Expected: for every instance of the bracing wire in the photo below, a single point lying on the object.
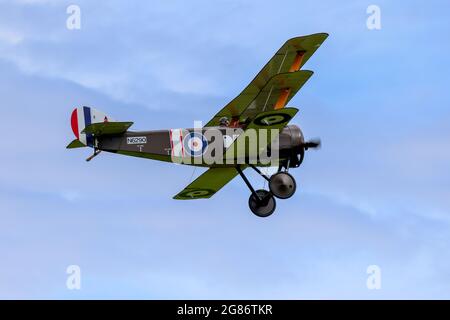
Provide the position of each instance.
(192, 175)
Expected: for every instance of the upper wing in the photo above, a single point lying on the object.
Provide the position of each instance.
(276, 83)
(207, 184)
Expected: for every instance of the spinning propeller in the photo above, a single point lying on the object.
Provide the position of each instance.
(313, 144)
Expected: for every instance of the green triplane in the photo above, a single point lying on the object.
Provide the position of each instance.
(249, 132)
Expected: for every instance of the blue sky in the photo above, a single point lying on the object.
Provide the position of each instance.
(377, 192)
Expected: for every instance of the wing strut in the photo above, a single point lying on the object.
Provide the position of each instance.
(296, 65)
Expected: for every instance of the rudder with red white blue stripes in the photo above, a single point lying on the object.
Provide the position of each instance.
(81, 118)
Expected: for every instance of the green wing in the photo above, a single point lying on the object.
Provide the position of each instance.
(274, 83)
(207, 184)
(273, 121)
(105, 128)
(279, 89)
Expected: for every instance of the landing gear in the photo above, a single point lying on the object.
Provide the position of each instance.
(262, 203)
(282, 185)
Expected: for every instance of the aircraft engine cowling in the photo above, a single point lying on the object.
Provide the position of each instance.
(291, 145)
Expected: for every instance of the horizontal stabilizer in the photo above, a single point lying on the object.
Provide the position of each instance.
(76, 144)
(107, 128)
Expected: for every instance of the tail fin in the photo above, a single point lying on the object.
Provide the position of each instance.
(81, 118)
(88, 122)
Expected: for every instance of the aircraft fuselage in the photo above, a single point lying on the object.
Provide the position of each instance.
(208, 146)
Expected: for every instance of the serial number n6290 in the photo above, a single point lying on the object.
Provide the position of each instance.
(136, 140)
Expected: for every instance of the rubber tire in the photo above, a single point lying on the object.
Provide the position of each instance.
(284, 181)
(264, 209)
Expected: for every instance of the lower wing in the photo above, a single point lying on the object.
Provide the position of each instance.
(207, 184)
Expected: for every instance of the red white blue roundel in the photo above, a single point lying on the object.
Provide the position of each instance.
(195, 144)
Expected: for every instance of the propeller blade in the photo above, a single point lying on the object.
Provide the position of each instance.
(313, 144)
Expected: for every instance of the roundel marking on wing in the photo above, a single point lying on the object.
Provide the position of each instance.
(271, 119)
(189, 194)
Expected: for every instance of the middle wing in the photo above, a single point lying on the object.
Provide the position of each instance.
(207, 184)
(274, 120)
(276, 83)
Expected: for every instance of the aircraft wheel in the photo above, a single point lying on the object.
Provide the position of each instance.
(264, 206)
(282, 185)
